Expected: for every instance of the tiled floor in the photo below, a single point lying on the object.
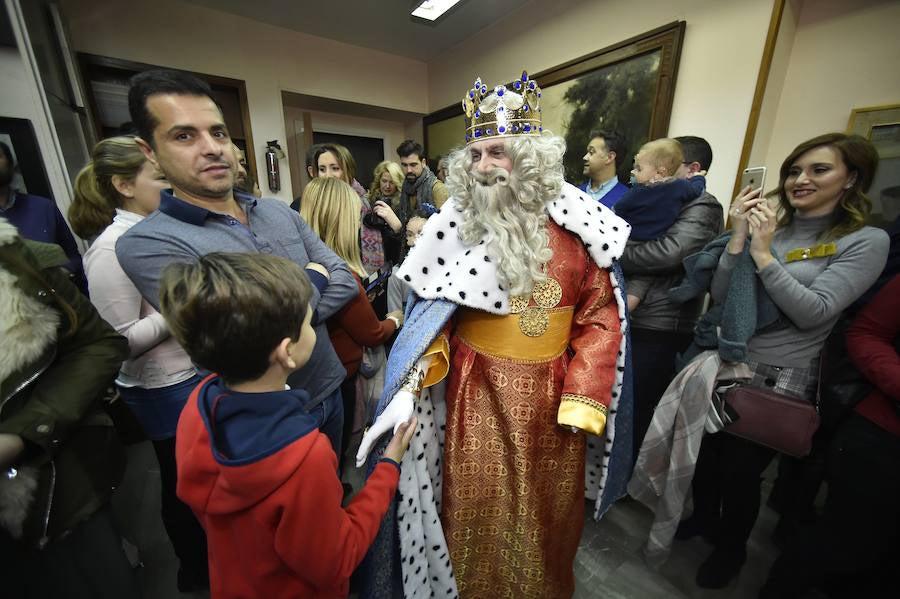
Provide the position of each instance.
(608, 564)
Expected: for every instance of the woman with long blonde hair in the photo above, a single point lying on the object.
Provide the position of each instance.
(332, 209)
(114, 192)
(388, 213)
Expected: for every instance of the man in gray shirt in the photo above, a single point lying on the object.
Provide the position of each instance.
(182, 132)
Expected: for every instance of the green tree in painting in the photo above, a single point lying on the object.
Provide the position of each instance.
(618, 97)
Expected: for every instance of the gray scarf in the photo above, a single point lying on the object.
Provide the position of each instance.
(421, 188)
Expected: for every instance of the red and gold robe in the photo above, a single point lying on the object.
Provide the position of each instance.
(513, 490)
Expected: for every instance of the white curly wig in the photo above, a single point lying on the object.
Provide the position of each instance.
(510, 216)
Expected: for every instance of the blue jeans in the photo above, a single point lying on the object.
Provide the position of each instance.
(158, 410)
(330, 414)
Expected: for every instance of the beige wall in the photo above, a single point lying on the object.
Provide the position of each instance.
(844, 55)
(269, 59)
(719, 61)
(781, 59)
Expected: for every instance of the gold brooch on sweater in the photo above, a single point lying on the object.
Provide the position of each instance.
(819, 251)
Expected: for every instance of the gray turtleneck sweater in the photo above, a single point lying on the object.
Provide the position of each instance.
(810, 293)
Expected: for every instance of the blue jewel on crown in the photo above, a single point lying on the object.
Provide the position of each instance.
(477, 132)
(488, 131)
(531, 85)
(517, 84)
(526, 127)
(500, 129)
(524, 76)
(500, 90)
(483, 89)
(525, 108)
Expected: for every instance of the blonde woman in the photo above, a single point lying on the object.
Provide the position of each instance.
(390, 216)
(115, 191)
(332, 209)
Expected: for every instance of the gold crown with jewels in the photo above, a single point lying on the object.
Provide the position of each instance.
(504, 110)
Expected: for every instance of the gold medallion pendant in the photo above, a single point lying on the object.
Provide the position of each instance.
(518, 304)
(547, 294)
(534, 321)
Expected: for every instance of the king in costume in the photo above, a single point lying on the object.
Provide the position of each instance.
(516, 342)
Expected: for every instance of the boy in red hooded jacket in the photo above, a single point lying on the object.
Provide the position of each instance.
(252, 463)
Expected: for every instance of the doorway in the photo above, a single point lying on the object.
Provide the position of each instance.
(366, 151)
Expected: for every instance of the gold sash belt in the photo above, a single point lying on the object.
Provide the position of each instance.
(500, 336)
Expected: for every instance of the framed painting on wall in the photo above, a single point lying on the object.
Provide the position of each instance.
(627, 87)
(881, 126)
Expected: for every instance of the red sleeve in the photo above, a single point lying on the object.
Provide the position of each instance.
(358, 319)
(595, 340)
(316, 537)
(870, 340)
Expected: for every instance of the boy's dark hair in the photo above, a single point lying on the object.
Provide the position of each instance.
(696, 149)
(614, 143)
(8, 153)
(410, 147)
(229, 311)
(160, 81)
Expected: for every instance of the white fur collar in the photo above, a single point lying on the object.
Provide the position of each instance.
(7, 232)
(27, 326)
(441, 267)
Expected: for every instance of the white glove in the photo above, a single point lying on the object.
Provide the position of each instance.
(396, 413)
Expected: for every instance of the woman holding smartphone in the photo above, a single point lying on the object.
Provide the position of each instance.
(814, 256)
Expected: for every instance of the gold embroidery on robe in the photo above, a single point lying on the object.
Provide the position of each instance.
(513, 478)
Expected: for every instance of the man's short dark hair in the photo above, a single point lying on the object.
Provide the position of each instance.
(696, 149)
(410, 147)
(160, 81)
(614, 143)
(8, 153)
(229, 311)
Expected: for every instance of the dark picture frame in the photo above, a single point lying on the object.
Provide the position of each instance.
(646, 63)
(881, 126)
(19, 135)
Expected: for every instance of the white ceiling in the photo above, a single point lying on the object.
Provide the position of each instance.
(383, 25)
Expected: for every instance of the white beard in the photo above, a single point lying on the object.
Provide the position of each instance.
(514, 231)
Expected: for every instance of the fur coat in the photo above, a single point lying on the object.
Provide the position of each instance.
(57, 360)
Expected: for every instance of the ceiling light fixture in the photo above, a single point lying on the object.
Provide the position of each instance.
(432, 10)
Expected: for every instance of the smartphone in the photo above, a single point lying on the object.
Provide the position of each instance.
(754, 177)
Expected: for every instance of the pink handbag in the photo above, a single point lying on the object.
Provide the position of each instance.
(781, 422)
